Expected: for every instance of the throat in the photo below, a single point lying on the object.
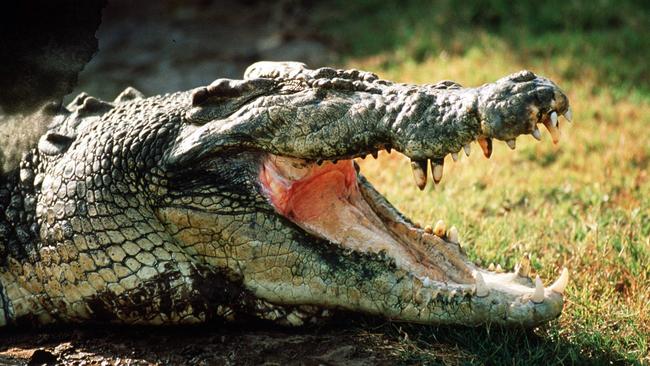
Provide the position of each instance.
(325, 201)
(305, 192)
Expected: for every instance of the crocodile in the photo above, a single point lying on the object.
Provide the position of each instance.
(242, 200)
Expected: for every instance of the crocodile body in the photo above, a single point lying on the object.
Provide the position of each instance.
(241, 199)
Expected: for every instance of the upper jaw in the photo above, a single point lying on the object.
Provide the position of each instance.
(513, 106)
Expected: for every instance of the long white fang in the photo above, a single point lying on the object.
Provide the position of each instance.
(491, 267)
(554, 118)
(468, 149)
(538, 295)
(481, 288)
(452, 235)
(454, 156)
(537, 134)
(512, 144)
(568, 115)
(560, 285)
(499, 269)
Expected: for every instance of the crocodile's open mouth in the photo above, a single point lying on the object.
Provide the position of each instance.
(331, 200)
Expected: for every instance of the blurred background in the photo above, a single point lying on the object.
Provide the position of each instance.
(584, 203)
(170, 45)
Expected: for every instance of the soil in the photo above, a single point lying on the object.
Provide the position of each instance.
(203, 345)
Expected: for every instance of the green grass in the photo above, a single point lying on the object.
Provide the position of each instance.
(583, 204)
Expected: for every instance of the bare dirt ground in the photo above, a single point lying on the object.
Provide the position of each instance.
(203, 345)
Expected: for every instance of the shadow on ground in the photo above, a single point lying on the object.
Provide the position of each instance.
(364, 343)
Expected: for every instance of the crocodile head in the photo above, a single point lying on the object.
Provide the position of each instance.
(267, 184)
(243, 198)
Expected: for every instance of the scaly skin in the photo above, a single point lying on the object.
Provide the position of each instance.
(152, 211)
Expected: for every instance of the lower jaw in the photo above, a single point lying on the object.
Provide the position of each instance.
(336, 203)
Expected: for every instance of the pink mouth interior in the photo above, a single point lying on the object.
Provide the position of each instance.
(326, 201)
(315, 191)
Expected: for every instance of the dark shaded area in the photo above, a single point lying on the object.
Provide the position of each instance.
(520, 346)
(348, 341)
(43, 47)
(204, 345)
(166, 46)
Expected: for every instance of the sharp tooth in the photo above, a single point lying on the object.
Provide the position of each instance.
(491, 267)
(554, 131)
(498, 269)
(512, 144)
(486, 146)
(419, 168)
(537, 134)
(428, 229)
(440, 229)
(568, 115)
(468, 149)
(554, 118)
(481, 288)
(524, 266)
(436, 169)
(538, 295)
(452, 235)
(454, 156)
(561, 283)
